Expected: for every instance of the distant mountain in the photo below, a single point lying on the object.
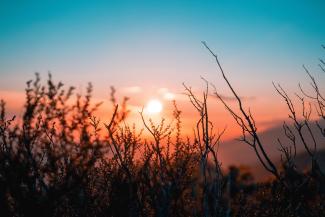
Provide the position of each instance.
(234, 152)
(303, 162)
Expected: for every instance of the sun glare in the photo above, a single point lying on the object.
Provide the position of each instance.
(154, 106)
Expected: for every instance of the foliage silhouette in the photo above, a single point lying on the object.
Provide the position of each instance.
(55, 161)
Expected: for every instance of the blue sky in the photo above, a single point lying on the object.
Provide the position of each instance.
(157, 43)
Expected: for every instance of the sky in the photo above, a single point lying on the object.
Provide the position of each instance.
(147, 49)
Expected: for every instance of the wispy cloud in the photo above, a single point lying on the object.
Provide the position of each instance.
(162, 90)
(232, 98)
(166, 93)
(169, 96)
(132, 89)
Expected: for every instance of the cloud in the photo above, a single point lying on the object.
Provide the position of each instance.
(169, 96)
(232, 98)
(132, 89)
(162, 90)
(166, 93)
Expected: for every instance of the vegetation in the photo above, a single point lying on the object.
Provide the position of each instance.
(55, 161)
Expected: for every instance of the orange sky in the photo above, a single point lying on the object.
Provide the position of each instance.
(267, 111)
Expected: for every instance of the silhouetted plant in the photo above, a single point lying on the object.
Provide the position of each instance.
(291, 185)
(60, 159)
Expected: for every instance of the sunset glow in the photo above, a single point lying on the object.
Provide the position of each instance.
(162, 108)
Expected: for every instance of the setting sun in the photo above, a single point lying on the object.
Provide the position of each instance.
(154, 106)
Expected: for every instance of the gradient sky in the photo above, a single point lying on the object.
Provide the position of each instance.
(143, 46)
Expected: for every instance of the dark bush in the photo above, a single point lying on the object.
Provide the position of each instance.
(60, 160)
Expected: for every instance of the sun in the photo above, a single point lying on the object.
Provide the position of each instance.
(154, 106)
